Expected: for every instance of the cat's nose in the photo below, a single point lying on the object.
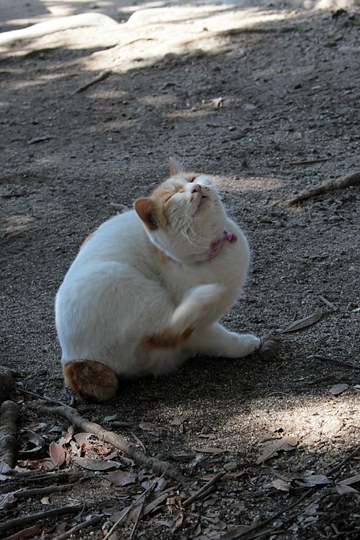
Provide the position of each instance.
(195, 188)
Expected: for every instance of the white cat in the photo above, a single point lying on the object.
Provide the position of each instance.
(148, 287)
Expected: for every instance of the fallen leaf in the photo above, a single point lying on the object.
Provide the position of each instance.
(95, 464)
(69, 435)
(304, 323)
(147, 426)
(352, 480)
(338, 389)
(121, 478)
(30, 532)
(82, 438)
(218, 102)
(45, 500)
(314, 480)
(345, 490)
(30, 442)
(7, 499)
(57, 454)
(286, 444)
(210, 450)
(281, 485)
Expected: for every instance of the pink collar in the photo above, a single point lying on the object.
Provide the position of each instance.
(216, 246)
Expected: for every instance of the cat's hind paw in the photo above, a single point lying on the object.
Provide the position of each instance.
(90, 380)
(248, 344)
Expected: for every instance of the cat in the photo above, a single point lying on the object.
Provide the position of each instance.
(147, 289)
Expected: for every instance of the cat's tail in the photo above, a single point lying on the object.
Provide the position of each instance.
(200, 306)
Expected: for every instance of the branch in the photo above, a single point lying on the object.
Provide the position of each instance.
(34, 518)
(330, 185)
(9, 412)
(158, 466)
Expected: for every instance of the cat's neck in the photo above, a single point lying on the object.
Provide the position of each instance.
(213, 251)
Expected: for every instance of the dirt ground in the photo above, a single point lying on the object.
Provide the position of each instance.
(264, 97)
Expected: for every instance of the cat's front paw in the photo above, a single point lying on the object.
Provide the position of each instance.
(249, 344)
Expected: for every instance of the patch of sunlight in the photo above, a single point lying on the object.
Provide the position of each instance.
(16, 223)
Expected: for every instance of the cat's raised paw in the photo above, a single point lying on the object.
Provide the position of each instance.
(90, 380)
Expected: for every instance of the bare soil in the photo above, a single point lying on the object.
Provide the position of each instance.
(265, 99)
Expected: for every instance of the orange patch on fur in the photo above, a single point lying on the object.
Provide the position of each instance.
(91, 380)
(166, 340)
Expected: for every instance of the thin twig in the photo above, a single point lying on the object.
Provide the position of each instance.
(327, 302)
(22, 494)
(203, 489)
(82, 525)
(340, 465)
(38, 396)
(101, 77)
(132, 505)
(335, 360)
(35, 518)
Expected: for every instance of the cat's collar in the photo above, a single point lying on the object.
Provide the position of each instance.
(215, 248)
(218, 244)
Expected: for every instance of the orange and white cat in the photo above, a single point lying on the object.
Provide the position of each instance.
(147, 289)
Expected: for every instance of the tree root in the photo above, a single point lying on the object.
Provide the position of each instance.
(9, 413)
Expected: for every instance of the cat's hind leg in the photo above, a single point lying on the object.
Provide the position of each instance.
(215, 340)
(90, 380)
(199, 307)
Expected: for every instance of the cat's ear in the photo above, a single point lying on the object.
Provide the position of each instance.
(146, 211)
(175, 167)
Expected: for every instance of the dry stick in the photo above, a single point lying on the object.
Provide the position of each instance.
(40, 492)
(76, 528)
(34, 518)
(9, 412)
(158, 466)
(101, 77)
(343, 462)
(203, 489)
(330, 185)
(132, 505)
(335, 360)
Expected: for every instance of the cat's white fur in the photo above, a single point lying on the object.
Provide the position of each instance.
(119, 292)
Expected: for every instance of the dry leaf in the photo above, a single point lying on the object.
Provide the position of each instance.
(121, 478)
(314, 480)
(286, 444)
(45, 500)
(147, 426)
(218, 102)
(305, 322)
(352, 480)
(345, 490)
(7, 499)
(338, 389)
(281, 485)
(210, 450)
(57, 454)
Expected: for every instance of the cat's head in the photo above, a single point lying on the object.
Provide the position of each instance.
(184, 216)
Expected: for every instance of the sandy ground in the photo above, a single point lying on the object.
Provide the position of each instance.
(264, 97)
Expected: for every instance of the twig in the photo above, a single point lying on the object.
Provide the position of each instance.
(101, 77)
(329, 185)
(131, 506)
(138, 517)
(82, 525)
(9, 412)
(327, 302)
(335, 360)
(340, 465)
(247, 535)
(116, 440)
(43, 398)
(203, 489)
(40, 492)
(34, 518)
